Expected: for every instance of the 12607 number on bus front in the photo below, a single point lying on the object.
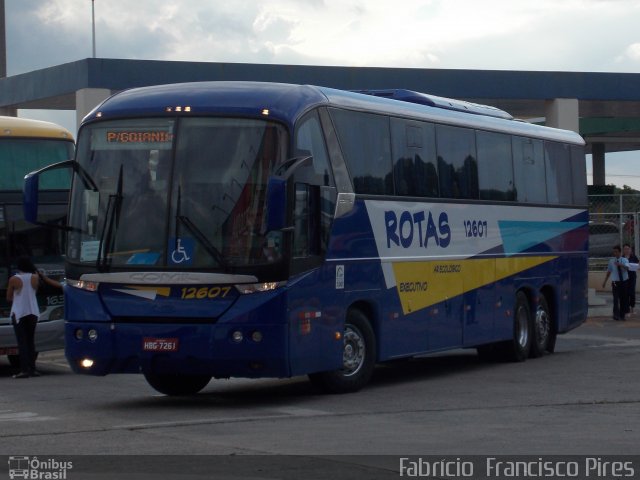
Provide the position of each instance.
(190, 293)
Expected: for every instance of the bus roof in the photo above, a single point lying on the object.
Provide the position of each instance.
(287, 102)
(27, 128)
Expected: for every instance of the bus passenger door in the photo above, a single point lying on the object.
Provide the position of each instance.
(313, 316)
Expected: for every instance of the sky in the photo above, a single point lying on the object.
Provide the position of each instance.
(537, 35)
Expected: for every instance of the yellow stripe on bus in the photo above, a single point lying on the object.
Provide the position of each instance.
(422, 284)
(162, 291)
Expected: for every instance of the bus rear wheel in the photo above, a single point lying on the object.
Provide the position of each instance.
(176, 385)
(519, 347)
(542, 329)
(358, 358)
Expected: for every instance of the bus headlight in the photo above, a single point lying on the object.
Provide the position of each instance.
(92, 334)
(86, 363)
(237, 336)
(247, 288)
(83, 285)
(256, 336)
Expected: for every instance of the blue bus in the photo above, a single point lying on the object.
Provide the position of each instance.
(246, 229)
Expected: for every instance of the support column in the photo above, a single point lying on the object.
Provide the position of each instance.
(597, 162)
(87, 99)
(7, 111)
(563, 113)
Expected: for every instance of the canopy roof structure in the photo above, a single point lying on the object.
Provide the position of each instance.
(608, 103)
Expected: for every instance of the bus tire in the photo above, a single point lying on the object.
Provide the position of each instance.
(542, 328)
(519, 347)
(359, 357)
(177, 385)
(553, 336)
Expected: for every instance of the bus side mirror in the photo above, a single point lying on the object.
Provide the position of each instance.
(276, 203)
(30, 197)
(32, 184)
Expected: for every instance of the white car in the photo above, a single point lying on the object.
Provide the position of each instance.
(603, 236)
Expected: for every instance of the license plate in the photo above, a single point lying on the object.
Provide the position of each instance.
(159, 344)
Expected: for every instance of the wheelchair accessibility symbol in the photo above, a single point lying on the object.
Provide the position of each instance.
(182, 253)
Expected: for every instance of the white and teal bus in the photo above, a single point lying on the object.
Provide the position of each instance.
(243, 229)
(26, 145)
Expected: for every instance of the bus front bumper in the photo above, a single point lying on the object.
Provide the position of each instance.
(219, 350)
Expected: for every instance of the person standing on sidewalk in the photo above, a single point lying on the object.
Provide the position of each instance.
(21, 292)
(618, 270)
(627, 252)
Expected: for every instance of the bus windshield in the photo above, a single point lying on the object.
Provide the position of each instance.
(184, 194)
(19, 156)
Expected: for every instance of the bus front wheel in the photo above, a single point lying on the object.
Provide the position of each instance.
(358, 357)
(176, 385)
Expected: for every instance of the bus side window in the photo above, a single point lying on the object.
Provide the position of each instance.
(495, 166)
(366, 144)
(529, 171)
(579, 175)
(314, 197)
(557, 157)
(414, 158)
(457, 165)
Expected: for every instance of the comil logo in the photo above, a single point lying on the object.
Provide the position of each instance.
(38, 469)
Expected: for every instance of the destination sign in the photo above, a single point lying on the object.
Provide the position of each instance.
(150, 136)
(138, 137)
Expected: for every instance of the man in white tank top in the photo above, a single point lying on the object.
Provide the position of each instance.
(21, 292)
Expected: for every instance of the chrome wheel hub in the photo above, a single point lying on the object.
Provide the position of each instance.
(522, 332)
(542, 325)
(354, 350)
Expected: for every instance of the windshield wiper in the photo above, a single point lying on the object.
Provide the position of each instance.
(197, 233)
(204, 241)
(110, 226)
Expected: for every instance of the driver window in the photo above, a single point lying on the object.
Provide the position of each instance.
(314, 200)
(310, 141)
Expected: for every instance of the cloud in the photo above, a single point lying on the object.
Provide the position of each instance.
(631, 53)
(493, 34)
(569, 35)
